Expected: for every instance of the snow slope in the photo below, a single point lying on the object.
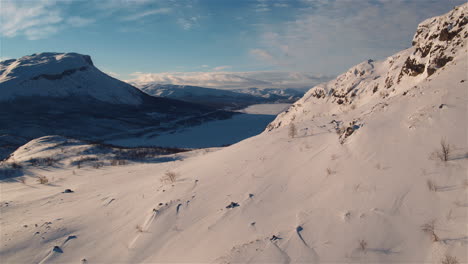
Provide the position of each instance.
(374, 193)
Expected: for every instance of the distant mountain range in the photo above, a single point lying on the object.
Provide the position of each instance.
(221, 98)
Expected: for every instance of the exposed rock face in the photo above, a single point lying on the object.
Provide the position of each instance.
(436, 42)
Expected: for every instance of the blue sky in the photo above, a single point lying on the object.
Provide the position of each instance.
(193, 40)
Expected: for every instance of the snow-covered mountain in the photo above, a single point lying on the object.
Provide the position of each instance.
(282, 95)
(234, 99)
(437, 42)
(62, 75)
(368, 168)
(65, 94)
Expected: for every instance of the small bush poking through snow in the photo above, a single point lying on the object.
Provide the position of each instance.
(449, 260)
(431, 185)
(292, 130)
(445, 150)
(139, 228)
(98, 165)
(22, 180)
(42, 180)
(330, 171)
(362, 245)
(169, 176)
(429, 228)
(49, 161)
(16, 166)
(79, 162)
(118, 162)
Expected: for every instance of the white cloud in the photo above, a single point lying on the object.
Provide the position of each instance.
(77, 21)
(220, 68)
(35, 19)
(232, 80)
(332, 35)
(188, 23)
(26, 17)
(262, 55)
(143, 14)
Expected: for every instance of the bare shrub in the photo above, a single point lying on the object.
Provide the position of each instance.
(42, 180)
(16, 166)
(292, 130)
(340, 130)
(139, 228)
(116, 162)
(98, 165)
(431, 185)
(49, 161)
(330, 171)
(79, 162)
(449, 260)
(169, 176)
(445, 150)
(362, 245)
(22, 180)
(429, 228)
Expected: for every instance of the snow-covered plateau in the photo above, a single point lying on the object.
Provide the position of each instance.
(368, 168)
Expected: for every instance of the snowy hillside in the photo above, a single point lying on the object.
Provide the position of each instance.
(437, 42)
(235, 99)
(364, 175)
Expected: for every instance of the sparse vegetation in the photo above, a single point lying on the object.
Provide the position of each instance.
(48, 162)
(363, 245)
(139, 228)
(431, 185)
(42, 180)
(449, 260)
(22, 180)
(16, 166)
(429, 228)
(330, 171)
(383, 94)
(79, 162)
(116, 162)
(98, 165)
(292, 130)
(169, 176)
(445, 151)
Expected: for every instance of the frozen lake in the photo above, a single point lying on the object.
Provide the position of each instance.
(251, 122)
